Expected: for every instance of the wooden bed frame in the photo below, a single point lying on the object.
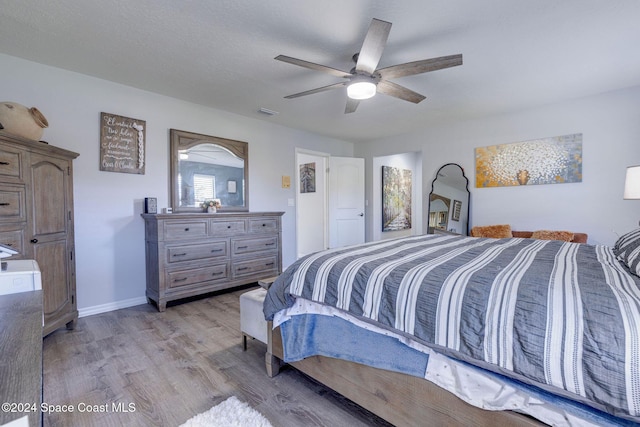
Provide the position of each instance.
(401, 399)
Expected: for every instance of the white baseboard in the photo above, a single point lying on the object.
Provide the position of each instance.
(103, 308)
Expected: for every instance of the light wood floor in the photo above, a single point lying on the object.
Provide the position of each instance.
(167, 367)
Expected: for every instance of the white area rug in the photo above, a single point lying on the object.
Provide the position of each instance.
(230, 413)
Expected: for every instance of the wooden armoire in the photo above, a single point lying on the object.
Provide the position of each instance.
(36, 219)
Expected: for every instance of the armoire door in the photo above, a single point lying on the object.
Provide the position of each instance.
(51, 237)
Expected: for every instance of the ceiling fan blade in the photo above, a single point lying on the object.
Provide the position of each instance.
(317, 90)
(373, 45)
(312, 66)
(418, 67)
(352, 104)
(395, 90)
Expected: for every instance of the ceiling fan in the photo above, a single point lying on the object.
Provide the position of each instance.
(364, 80)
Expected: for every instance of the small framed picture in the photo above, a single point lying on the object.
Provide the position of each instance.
(150, 205)
(231, 187)
(457, 207)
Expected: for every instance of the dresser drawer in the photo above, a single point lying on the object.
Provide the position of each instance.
(9, 164)
(179, 279)
(245, 246)
(174, 230)
(264, 225)
(191, 252)
(228, 227)
(12, 203)
(267, 264)
(14, 239)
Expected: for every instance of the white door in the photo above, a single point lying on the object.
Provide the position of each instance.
(311, 202)
(346, 201)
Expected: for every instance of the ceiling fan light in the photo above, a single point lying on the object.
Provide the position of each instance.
(361, 90)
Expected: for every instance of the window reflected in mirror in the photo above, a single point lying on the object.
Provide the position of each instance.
(438, 212)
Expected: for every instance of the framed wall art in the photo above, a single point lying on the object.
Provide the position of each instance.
(396, 198)
(308, 178)
(122, 144)
(554, 160)
(457, 207)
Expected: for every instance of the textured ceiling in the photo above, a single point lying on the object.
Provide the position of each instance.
(517, 53)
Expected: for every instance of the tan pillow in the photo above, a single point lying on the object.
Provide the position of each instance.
(565, 236)
(502, 231)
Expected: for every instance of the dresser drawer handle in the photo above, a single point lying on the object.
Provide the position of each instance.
(243, 268)
(270, 244)
(264, 225)
(217, 274)
(243, 247)
(186, 229)
(5, 204)
(5, 163)
(270, 263)
(216, 250)
(183, 254)
(180, 280)
(228, 226)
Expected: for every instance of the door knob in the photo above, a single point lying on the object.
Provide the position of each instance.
(34, 240)
(360, 214)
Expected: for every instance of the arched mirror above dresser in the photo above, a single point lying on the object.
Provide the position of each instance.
(449, 201)
(207, 167)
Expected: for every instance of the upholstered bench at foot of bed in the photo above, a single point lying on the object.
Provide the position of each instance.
(252, 323)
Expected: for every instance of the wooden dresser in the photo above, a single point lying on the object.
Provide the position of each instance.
(36, 219)
(191, 254)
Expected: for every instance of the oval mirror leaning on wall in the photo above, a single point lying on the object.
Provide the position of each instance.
(204, 168)
(449, 201)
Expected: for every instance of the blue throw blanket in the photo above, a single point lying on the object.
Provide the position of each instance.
(564, 316)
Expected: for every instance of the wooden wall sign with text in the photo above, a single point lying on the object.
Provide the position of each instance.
(122, 144)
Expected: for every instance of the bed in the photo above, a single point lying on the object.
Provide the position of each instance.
(437, 327)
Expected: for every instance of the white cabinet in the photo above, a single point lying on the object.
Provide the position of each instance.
(20, 276)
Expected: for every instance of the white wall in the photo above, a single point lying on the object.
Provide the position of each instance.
(411, 161)
(610, 126)
(109, 231)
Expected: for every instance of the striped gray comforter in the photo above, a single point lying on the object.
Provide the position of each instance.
(561, 315)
